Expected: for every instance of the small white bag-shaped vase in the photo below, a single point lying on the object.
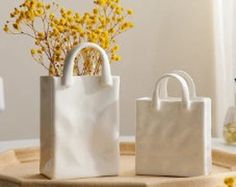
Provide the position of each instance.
(173, 135)
(80, 122)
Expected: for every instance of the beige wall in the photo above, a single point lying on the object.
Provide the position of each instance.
(169, 34)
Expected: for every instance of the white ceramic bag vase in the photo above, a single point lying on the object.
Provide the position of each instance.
(80, 122)
(173, 135)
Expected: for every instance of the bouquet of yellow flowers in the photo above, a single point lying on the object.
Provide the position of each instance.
(56, 30)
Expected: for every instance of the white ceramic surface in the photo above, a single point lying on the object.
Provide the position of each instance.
(173, 132)
(80, 122)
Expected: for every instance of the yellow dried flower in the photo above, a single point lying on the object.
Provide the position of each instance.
(115, 48)
(5, 28)
(95, 11)
(33, 51)
(229, 181)
(39, 12)
(130, 12)
(48, 7)
(16, 26)
(63, 28)
(116, 57)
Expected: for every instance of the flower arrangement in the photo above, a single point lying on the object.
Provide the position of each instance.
(56, 30)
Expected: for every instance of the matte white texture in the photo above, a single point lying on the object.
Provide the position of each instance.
(173, 135)
(80, 124)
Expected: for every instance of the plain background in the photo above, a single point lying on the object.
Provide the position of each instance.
(168, 34)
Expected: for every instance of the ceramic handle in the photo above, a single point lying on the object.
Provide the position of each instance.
(156, 98)
(187, 77)
(67, 77)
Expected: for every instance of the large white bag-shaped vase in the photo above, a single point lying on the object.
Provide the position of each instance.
(80, 122)
(173, 135)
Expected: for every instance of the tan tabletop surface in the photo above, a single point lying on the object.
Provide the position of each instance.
(20, 168)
